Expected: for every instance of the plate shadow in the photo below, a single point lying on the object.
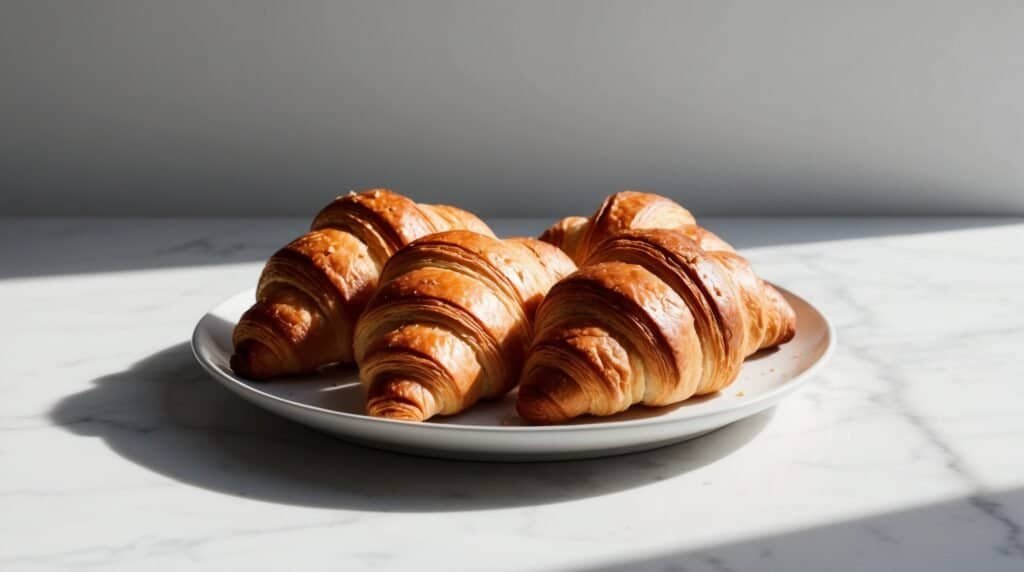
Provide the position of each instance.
(166, 415)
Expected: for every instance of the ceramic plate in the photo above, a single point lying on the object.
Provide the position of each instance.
(332, 401)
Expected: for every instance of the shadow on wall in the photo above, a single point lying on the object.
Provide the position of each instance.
(956, 535)
(77, 246)
(167, 415)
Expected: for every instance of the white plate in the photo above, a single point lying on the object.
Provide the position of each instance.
(332, 401)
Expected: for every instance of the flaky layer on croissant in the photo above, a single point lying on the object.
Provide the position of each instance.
(652, 318)
(312, 291)
(451, 321)
(626, 210)
(631, 210)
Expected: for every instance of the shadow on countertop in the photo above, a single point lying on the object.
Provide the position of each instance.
(974, 532)
(167, 415)
(89, 245)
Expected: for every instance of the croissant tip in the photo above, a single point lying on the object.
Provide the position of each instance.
(537, 407)
(398, 410)
(253, 360)
(787, 334)
(401, 399)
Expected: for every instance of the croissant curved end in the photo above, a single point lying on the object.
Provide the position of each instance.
(254, 360)
(785, 326)
(402, 400)
(548, 396)
(394, 408)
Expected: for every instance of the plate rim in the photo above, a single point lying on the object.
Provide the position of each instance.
(766, 398)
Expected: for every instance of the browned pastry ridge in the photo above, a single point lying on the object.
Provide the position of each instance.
(653, 316)
(626, 210)
(451, 322)
(312, 291)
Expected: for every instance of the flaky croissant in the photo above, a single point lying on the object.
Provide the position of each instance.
(652, 318)
(626, 210)
(451, 322)
(580, 237)
(312, 291)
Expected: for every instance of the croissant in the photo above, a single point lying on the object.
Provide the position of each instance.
(312, 291)
(579, 237)
(451, 322)
(626, 210)
(652, 318)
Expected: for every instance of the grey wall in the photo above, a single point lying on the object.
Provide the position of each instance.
(518, 108)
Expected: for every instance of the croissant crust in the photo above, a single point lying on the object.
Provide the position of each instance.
(652, 318)
(312, 291)
(451, 322)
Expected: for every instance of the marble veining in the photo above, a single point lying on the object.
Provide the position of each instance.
(119, 454)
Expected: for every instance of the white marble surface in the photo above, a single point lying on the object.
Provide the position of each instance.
(906, 453)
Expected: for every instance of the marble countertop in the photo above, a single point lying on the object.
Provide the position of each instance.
(905, 453)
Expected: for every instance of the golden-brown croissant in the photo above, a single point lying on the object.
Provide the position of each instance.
(312, 291)
(451, 322)
(652, 318)
(632, 210)
(626, 210)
